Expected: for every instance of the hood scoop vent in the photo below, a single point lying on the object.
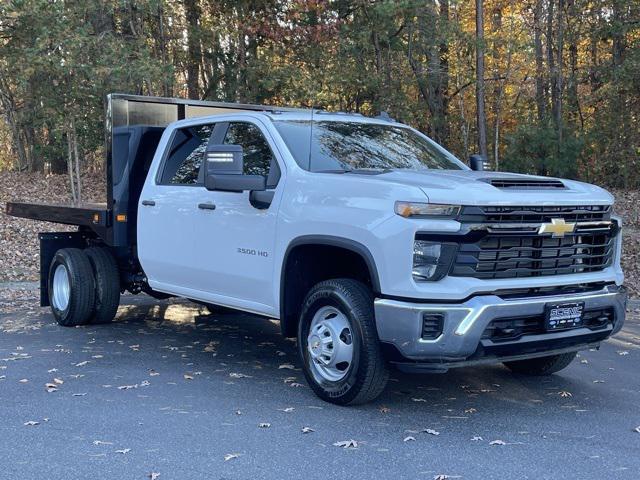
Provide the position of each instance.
(525, 183)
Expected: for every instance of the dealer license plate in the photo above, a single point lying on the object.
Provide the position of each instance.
(563, 316)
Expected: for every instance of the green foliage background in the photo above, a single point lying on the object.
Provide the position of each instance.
(413, 59)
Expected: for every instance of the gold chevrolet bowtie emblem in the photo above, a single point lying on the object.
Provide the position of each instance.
(557, 228)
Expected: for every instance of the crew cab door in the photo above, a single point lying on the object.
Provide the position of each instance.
(235, 235)
(168, 212)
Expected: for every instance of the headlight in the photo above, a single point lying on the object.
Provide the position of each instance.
(431, 260)
(425, 210)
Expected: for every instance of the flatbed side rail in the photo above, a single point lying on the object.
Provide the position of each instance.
(94, 216)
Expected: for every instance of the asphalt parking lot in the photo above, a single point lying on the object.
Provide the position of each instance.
(171, 392)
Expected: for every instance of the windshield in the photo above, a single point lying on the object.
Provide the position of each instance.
(346, 146)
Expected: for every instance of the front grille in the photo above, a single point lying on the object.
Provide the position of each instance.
(534, 214)
(511, 329)
(511, 256)
(504, 242)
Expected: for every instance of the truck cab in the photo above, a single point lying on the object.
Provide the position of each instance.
(372, 245)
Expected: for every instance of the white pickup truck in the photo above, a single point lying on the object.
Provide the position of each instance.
(371, 244)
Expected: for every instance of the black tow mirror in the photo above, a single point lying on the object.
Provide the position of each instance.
(478, 163)
(223, 170)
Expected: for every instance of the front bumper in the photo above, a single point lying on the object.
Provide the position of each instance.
(399, 323)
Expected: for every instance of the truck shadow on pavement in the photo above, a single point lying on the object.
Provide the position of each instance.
(244, 348)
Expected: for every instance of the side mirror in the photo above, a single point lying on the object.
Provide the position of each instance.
(223, 170)
(478, 163)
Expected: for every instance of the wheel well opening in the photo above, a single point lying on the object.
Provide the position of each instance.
(306, 265)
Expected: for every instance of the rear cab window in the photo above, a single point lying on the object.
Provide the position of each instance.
(183, 162)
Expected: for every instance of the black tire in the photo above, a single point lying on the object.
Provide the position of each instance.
(107, 280)
(367, 374)
(77, 268)
(543, 365)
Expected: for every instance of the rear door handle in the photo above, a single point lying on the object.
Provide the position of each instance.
(206, 206)
(148, 203)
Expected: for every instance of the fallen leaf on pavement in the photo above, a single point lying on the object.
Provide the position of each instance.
(477, 438)
(565, 394)
(637, 429)
(188, 377)
(31, 423)
(127, 387)
(231, 456)
(309, 429)
(346, 444)
(409, 439)
(58, 381)
(431, 431)
(497, 442)
(153, 475)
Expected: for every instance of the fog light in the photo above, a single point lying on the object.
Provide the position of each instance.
(431, 260)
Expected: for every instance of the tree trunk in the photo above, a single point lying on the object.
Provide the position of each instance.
(8, 105)
(551, 60)
(443, 91)
(541, 101)
(481, 118)
(167, 87)
(575, 112)
(72, 181)
(194, 48)
(76, 158)
(559, 70)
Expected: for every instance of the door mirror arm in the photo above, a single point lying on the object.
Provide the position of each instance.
(261, 199)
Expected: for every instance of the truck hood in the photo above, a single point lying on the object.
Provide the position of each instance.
(468, 187)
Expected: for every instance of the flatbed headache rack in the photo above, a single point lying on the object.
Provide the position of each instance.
(133, 127)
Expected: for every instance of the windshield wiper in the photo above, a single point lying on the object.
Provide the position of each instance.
(370, 171)
(337, 170)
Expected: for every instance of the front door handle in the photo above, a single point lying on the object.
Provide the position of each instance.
(148, 203)
(206, 206)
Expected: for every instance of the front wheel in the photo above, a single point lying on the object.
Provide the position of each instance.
(542, 365)
(339, 343)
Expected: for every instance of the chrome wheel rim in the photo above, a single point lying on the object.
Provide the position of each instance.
(330, 344)
(61, 288)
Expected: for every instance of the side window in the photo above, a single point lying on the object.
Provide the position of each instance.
(257, 156)
(182, 166)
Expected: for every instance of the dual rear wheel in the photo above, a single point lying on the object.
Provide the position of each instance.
(83, 286)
